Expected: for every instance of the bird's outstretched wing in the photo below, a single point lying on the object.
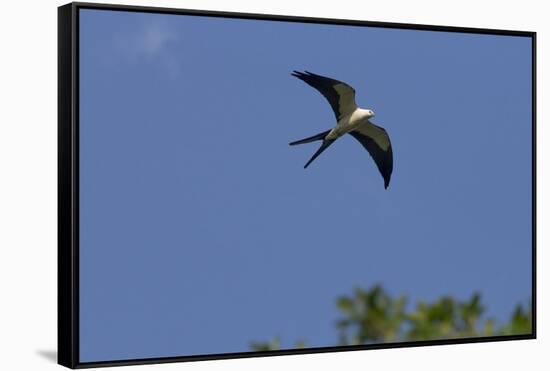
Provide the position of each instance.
(340, 95)
(376, 140)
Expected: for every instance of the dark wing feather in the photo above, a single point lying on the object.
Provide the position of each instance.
(339, 95)
(377, 142)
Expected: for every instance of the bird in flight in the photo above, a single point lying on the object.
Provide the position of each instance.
(350, 119)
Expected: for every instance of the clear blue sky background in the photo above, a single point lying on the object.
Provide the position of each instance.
(200, 229)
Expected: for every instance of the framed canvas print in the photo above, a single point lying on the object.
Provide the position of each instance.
(236, 185)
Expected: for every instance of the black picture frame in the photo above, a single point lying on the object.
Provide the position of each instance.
(68, 182)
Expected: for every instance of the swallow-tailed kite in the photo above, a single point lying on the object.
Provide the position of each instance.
(350, 119)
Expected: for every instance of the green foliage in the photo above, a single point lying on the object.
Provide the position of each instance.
(520, 323)
(273, 344)
(373, 316)
(370, 316)
(259, 346)
(446, 318)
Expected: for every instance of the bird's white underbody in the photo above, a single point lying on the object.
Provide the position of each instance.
(349, 122)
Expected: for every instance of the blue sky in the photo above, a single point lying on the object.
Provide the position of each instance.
(200, 231)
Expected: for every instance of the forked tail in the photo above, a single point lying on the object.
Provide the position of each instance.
(321, 136)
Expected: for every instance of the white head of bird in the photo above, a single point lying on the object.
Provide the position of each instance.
(366, 113)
